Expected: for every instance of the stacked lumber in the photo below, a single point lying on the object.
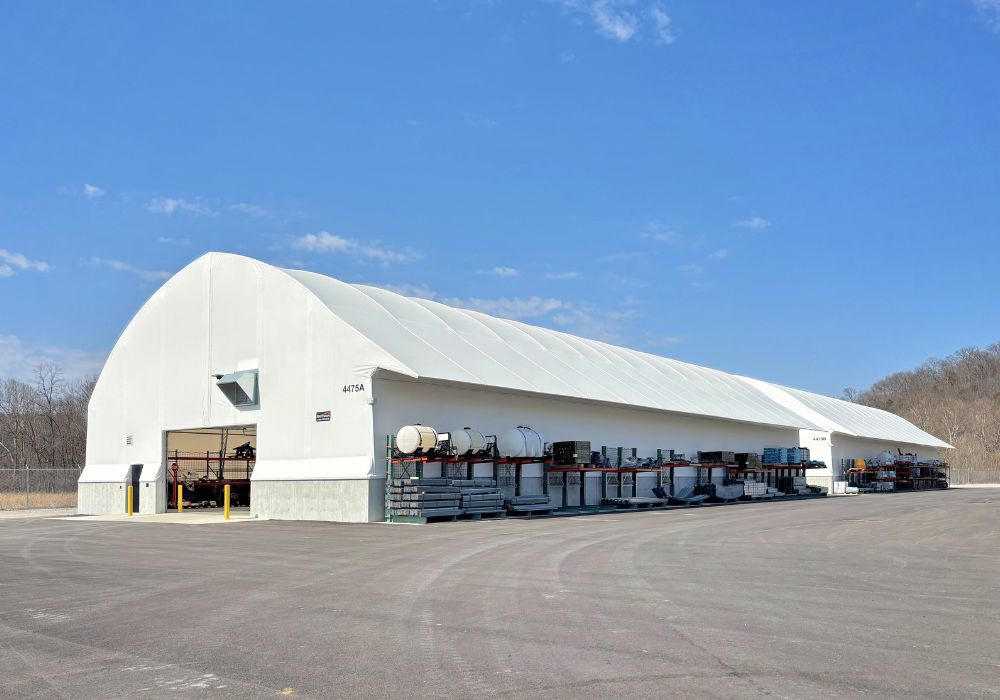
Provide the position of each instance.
(424, 498)
(529, 504)
(479, 496)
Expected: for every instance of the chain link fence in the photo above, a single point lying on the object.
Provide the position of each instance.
(31, 487)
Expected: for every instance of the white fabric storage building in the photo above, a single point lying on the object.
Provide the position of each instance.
(849, 431)
(326, 370)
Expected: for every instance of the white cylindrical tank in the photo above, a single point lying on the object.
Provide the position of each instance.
(519, 442)
(414, 438)
(467, 440)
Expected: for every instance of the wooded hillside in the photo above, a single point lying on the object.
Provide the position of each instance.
(958, 400)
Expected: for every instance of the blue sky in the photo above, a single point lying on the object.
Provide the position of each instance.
(802, 192)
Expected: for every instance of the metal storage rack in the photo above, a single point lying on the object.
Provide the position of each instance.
(572, 479)
(505, 469)
(904, 476)
(205, 469)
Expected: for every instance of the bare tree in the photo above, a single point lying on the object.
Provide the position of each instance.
(44, 424)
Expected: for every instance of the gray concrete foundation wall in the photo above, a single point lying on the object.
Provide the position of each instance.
(152, 496)
(340, 500)
(101, 498)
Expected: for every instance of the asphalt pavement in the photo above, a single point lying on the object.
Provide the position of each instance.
(877, 595)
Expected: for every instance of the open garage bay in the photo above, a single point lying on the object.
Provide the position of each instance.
(879, 595)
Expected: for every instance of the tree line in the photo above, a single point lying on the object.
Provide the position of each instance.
(958, 400)
(43, 422)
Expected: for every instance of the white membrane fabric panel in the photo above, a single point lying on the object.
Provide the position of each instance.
(440, 342)
(837, 415)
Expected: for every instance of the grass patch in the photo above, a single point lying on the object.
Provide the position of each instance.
(17, 501)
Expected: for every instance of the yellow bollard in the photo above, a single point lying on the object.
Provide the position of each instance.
(225, 498)
(180, 498)
(130, 500)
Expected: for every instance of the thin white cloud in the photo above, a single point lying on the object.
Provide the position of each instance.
(502, 271)
(19, 358)
(661, 25)
(568, 275)
(720, 254)
(516, 308)
(620, 257)
(14, 260)
(167, 240)
(663, 341)
(989, 13)
(6, 271)
(624, 20)
(754, 222)
(169, 205)
(690, 268)
(252, 210)
(119, 266)
(92, 191)
(478, 121)
(613, 22)
(419, 291)
(656, 232)
(326, 242)
(578, 318)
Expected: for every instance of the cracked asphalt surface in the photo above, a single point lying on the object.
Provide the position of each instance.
(880, 595)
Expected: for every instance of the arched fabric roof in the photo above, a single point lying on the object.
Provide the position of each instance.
(439, 342)
(848, 418)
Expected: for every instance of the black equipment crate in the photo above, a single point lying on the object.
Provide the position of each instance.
(717, 457)
(571, 452)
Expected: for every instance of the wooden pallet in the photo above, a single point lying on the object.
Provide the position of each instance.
(484, 515)
(423, 520)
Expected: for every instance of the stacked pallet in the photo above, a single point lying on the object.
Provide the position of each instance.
(754, 489)
(634, 503)
(424, 498)
(795, 485)
(529, 504)
(479, 496)
(786, 455)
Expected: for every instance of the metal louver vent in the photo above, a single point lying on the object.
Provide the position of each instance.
(240, 388)
(128, 439)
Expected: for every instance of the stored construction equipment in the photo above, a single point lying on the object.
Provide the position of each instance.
(571, 452)
(467, 441)
(416, 439)
(520, 442)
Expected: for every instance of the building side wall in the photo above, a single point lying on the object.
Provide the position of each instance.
(848, 447)
(448, 408)
(340, 500)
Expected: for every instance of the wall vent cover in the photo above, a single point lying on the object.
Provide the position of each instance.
(240, 388)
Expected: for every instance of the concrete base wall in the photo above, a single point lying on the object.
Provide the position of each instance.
(341, 500)
(152, 496)
(101, 499)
